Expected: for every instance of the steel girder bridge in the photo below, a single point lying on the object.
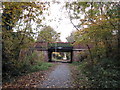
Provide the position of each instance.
(58, 47)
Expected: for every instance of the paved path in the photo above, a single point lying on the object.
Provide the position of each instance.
(60, 77)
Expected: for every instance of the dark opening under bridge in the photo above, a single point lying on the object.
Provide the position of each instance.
(50, 47)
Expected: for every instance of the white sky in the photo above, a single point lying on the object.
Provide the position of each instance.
(59, 17)
(59, 20)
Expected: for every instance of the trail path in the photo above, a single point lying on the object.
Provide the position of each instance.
(60, 77)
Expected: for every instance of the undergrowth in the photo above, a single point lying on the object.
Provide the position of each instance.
(104, 73)
(31, 63)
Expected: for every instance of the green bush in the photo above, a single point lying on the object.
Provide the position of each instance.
(103, 74)
(34, 62)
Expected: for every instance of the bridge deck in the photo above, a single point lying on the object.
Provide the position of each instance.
(58, 46)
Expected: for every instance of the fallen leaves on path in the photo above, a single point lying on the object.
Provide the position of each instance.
(34, 80)
(29, 80)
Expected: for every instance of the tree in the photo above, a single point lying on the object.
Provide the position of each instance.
(17, 31)
(101, 21)
(102, 32)
(13, 15)
(48, 34)
(71, 38)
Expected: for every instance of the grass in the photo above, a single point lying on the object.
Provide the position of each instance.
(75, 63)
(40, 66)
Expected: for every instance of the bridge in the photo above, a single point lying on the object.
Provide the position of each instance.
(50, 47)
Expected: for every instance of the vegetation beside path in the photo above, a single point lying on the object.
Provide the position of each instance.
(80, 79)
(101, 62)
(102, 74)
(32, 63)
(31, 79)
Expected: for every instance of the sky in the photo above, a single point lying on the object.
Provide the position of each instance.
(59, 20)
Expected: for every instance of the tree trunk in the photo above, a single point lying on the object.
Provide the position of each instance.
(118, 30)
(90, 53)
(118, 56)
(96, 49)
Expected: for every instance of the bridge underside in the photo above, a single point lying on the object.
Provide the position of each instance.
(63, 49)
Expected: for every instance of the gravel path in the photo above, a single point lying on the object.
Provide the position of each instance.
(60, 77)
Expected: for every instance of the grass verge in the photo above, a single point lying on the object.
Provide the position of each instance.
(40, 66)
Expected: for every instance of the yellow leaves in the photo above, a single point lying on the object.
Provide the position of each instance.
(95, 20)
(82, 20)
(101, 16)
(98, 30)
(86, 23)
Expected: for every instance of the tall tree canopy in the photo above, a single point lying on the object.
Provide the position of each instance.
(48, 34)
(98, 27)
(71, 37)
(17, 31)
